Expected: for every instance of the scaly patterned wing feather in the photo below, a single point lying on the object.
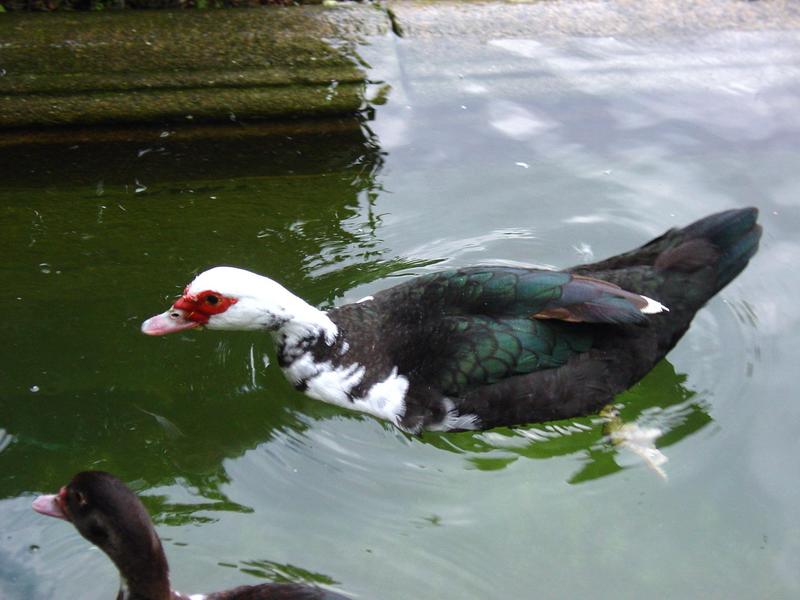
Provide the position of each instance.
(477, 350)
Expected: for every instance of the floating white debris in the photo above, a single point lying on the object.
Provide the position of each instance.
(585, 251)
(642, 442)
(524, 165)
(5, 439)
(172, 430)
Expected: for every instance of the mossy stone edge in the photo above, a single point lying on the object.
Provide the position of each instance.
(147, 67)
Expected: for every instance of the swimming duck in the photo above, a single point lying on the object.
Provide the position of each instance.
(484, 346)
(108, 514)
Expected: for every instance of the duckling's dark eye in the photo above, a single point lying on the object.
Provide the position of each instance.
(80, 498)
(212, 299)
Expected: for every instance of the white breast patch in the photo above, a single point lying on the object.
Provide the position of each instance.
(385, 399)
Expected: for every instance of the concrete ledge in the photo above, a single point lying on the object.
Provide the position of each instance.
(139, 67)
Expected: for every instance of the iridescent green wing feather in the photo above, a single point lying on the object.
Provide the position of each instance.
(519, 292)
(481, 350)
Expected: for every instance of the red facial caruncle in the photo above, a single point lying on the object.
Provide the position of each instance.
(201, 306)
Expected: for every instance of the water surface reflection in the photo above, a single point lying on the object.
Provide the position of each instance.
(481, 153)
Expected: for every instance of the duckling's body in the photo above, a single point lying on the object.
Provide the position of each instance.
(110, 516)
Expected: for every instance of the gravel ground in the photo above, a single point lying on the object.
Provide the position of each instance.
(592, 17)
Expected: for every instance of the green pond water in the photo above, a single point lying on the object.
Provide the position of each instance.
(516, 151)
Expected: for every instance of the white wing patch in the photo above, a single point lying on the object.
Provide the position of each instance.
(302, 368)
(386, 399)
(653, 306)
(334, 384)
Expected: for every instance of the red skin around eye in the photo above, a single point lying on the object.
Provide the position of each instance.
(199, 309)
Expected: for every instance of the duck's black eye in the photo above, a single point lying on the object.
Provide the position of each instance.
(212, 299)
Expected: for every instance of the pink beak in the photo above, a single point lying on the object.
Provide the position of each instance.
(168, 322)
(48, 505)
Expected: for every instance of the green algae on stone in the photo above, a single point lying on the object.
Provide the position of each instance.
(93, 68)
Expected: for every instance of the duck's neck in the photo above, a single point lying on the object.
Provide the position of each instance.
(266, 304)
(313, 323)
(300, 321)
(143, 571)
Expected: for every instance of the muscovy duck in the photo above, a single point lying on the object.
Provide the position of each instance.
(485, 346)
(108, 514)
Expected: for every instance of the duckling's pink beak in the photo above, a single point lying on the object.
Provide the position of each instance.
(50, 505)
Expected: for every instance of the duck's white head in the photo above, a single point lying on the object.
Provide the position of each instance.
(232, 299)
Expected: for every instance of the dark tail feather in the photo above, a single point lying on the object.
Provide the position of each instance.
(735, 259)
(728, 239)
